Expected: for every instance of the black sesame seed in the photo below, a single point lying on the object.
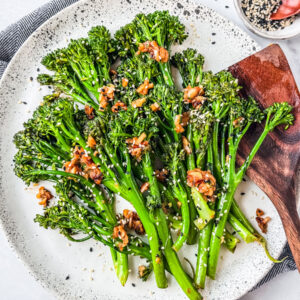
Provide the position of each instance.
(91, 249)
(133, 284)
(31, 78)
(242, 193)
(213, 42)
(67, 277)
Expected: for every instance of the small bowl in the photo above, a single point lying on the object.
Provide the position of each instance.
(280, 34)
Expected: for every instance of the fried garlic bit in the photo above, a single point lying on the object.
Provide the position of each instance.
(73, 166)
(161, 175)
(44, 195)
(113, 72)
(204, 181)
(79, 159)
(91, 169)
(118, 106)
(177, 122)
(181, 121)
(142, 270)
(237, 122)
(106, 93)
(120, 232)
(138, 102)
(194, 95)
(89, 111)
(91, 142)
(166, 208)
(144, 88)
(186, 145)
(259, 212)
(263, 223)
(155, 106)
(132, 221)
(156, 52)
(144, 187)
(137, 146)
(124, 82)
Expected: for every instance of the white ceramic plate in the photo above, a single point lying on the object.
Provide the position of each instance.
(48, 255)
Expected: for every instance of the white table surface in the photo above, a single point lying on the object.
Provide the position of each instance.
(15, 280)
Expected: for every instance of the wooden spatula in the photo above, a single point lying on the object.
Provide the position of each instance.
(267, 77)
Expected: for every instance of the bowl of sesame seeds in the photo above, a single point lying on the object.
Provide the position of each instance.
(256, 16)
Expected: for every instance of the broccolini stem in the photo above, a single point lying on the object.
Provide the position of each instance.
(190, 161)
(235, 209)
(223, 150)
(202, 256)
(122, 267)
(242, 170)
(181, 195)
(237, 212)
(243, 232)
(244, 223)
(216, 155)
(218, 229)
(204, 239)
(166, 71)
(204, 211)
(193, 232)
(230, 241)
(130, 192)
(165, 236)
(136, 199)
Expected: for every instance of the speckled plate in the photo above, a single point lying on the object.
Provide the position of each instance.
(49, 256)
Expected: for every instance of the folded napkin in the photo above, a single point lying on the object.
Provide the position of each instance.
(15, 35)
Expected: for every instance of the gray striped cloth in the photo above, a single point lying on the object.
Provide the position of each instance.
(15, 35)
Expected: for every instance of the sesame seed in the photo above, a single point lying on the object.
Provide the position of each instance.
(259, 12)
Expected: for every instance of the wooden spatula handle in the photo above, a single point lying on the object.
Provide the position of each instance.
(291, 223)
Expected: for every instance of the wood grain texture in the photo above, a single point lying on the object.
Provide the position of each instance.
(267, 77)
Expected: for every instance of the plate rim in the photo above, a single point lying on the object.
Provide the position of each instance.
(11, 242)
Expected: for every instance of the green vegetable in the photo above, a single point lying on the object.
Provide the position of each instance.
(145, 125)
